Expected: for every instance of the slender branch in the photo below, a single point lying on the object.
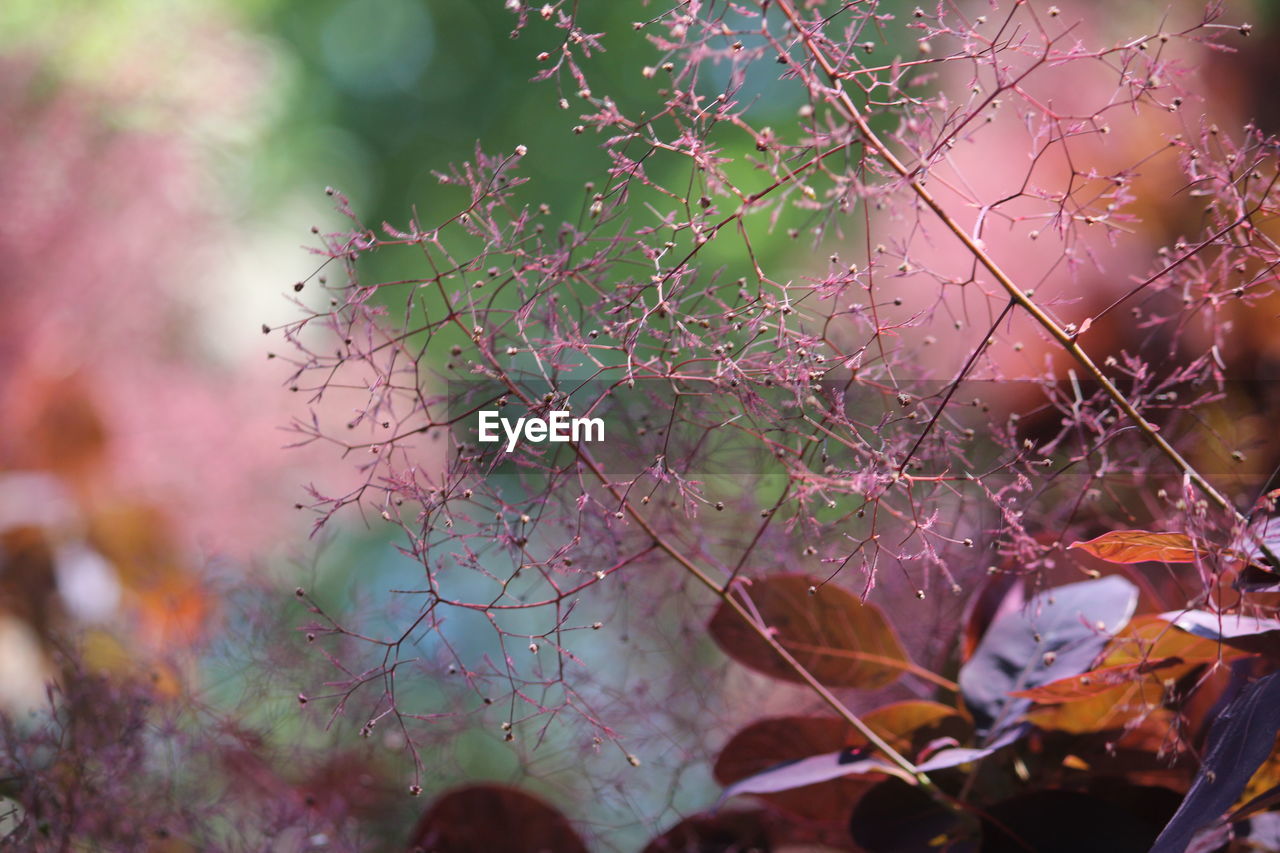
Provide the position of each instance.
(725, 593)
(761, 630)
(1068, 341)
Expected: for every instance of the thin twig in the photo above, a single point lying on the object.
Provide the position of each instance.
(1068, 341)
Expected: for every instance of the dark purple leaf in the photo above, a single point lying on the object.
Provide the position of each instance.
(1054, 820)
(729, 831)
(894, 817)
(1058, 634)
(1240, 740)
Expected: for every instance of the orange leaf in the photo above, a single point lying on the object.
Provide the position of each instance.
(1115, 708)
(1147, 650)
(1129, 684)
(1140, 546)
(1091, 683)
(1151, 637)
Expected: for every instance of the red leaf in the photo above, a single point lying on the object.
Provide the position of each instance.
(806, 765)
(728, 831)
(840, 640)
(496, 819)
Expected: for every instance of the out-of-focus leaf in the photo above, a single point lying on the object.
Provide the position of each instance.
(349, 781)
(1154, 805)
(496, 819)
(1240, 740)
(108, 652)
(27, 578)
(721, 832)
(998, 594)
(1250, 633)
(63, 430)
(752, 831)
(840, 640)
(1058, 634)
(772, 757)
(138, 540)
(1141, 546)
(168, 602)
(894, 817)
(1064, 820)
(1137, 752)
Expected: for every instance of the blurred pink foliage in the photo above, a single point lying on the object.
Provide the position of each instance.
(104, 244)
